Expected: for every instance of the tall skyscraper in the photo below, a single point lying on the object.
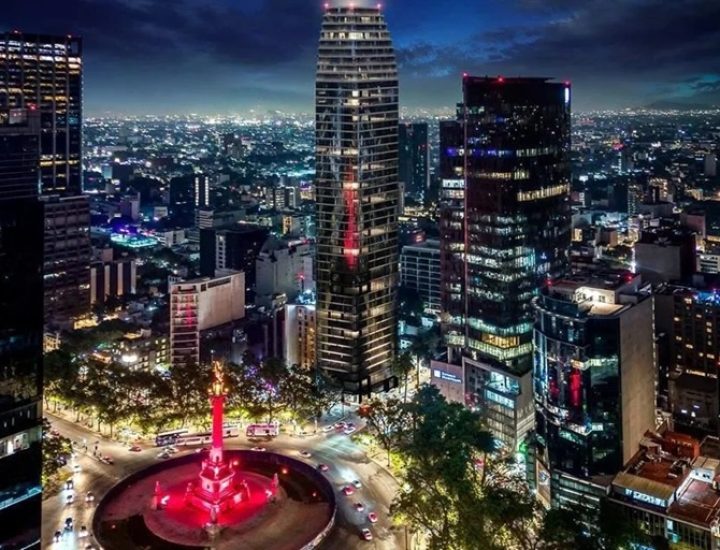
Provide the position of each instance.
(413, 152)
(413, 158)
(44, 72)
(505, 229)
(356, 126)
(21, 330)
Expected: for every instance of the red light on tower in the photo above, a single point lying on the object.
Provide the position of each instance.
(327, 5)
(500, 79)
(464, 75)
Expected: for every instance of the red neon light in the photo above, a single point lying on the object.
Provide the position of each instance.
(500, 79)
(351, 239)
(575, 387)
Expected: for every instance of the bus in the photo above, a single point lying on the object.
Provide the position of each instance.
(205, 437)
(194, 439)
(269, 429)
(163, 439)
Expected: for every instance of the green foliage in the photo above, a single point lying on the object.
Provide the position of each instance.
(388, 420)
(54, 449)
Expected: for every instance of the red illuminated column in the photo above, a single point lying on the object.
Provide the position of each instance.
(217, 399)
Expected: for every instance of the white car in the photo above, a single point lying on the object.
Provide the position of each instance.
(366, 534)
(76, 468)
(259, 449)
(328, 428)
(306, 454)
(164, 455)
(356, 483)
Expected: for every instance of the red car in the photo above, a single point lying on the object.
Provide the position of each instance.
(348, 490)
(372, 517)
(323, 467)
(135, 448)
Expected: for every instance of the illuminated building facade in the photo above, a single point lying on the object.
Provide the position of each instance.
(45, 72)
(505, 228)
(594, 382)
(300, 336)
(21, 331)
(357, 196)
(691, 319)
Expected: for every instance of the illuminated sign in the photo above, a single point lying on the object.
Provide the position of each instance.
(642, 497)
(442, 375)
(453, 184)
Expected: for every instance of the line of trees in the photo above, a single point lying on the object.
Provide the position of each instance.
(108, 395)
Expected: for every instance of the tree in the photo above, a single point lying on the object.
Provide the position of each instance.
(388, 421)
(55, 450)
(441, 489)
(424, 345)
(402, 367)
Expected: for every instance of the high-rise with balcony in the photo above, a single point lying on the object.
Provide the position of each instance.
(356, 118)
(505, 229)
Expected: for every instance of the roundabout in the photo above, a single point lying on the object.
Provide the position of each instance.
(218, 498)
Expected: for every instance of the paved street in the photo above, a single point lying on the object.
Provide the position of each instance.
(347, 462)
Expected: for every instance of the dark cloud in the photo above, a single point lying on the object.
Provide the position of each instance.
(207, 55)
(637, 44)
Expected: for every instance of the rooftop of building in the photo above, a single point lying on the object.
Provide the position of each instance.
(675, 473)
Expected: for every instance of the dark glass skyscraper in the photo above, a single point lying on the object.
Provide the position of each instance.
(357, 196)
(21, 330)
(413, 154)
(505, 226)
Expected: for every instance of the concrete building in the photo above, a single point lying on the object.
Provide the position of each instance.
(420, 271)
(199, 305)
(282, 268)
(116, 278)
(664, 255)
(670, 488)
(300, 334)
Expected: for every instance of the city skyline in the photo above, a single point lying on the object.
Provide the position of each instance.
(189, 57)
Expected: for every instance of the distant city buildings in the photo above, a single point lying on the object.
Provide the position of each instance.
(413, 155)
(356, 103)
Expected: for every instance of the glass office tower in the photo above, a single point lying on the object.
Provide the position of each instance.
(21, 330)
(357, 196)
(505, 222)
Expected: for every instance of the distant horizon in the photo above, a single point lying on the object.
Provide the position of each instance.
(151, 56)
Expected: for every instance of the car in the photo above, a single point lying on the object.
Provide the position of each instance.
(350, 430)
(328, 428)
(356, 483)
(259, 449)
(83, 532)
(69, 524)
(372, 517)
(76, 468)
(172, 450)
(366, 534)
(89, 497)
(107, 459)
(163, 455)
(359, 506)
(323, 467)
(54, 432)
(306, 454)
(339, 426)
(69, 499)
(202, 449)
(348, 490)
(135, 448)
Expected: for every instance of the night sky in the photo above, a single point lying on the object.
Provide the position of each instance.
(223, 56)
